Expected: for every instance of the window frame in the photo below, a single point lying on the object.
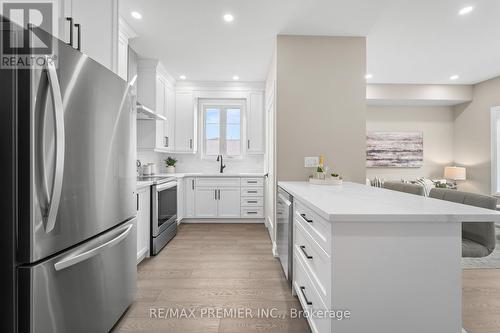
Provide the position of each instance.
(495, 150)
(223, 105)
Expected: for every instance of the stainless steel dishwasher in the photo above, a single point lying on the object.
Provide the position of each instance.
(284, 231)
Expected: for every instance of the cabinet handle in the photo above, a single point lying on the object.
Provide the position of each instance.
(192, 183)
(137, 201)
(79, 34)
(252, 201)
(218, 194)
(70, 19)
(251, 213)
(305, 297)
(251, 191)
(248, 144)
(215, 194)
(303, 248)
(190, 143)
(251, 182)
(166, 141)
(305, 218)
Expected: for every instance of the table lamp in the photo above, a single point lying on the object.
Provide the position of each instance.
(455, 173)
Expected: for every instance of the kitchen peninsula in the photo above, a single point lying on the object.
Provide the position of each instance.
(391, 259)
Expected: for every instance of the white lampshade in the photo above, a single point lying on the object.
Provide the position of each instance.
(455, 173)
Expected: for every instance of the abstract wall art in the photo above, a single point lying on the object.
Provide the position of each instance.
(394, 149)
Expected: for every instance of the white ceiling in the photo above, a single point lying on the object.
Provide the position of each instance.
(408, 41)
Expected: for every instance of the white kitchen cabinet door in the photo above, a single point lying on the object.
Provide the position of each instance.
(180, 199)
(169, 124)
(123, 57)
(229, 202)
(205, 202)
(255, 123)
(98, 20)
(189, 195)
(143, 223)
(161, 141)
(185, 138)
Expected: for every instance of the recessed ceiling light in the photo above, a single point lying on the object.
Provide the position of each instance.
(236, 77)
(182, 77)
(136, 15)
(466, 10)
(368, 76)
(454, 77)
(228, 17)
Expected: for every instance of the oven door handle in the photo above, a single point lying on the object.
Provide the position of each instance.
(165, 186)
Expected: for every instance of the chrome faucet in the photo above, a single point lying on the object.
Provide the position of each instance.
(222, 166)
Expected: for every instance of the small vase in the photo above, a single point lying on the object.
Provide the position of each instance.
(170, 169)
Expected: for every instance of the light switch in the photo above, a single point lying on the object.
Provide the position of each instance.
(311, 162)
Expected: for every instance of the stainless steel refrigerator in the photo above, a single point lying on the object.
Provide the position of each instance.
(69, 234)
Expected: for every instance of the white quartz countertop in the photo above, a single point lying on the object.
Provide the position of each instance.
(141, 184)
(210, 175)
(352, 202)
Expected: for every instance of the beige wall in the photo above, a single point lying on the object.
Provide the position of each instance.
(435, 122)
(472, 136)
(321, 106)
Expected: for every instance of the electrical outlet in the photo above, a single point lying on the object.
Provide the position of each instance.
(311, 162)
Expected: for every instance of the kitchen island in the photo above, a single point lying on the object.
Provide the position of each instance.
(384, 261)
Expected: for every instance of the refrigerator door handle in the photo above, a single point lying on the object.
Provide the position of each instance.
(79, 256)
(55, 197)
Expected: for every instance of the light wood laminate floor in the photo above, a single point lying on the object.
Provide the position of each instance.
(213, 266)
(481, 300)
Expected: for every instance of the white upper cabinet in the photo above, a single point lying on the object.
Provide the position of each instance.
(169, 113)
(255, 123)
(185, 122)
(161, 141)
(155, 91)
(94, 28)
(125, 33)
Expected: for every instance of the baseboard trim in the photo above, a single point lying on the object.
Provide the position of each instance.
(223, 221)
(142, 255)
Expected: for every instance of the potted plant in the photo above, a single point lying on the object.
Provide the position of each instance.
(335, 176)
(170, 162)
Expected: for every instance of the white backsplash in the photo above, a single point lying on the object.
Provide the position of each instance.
(193, 163)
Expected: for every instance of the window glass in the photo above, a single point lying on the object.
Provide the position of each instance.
(222, 131)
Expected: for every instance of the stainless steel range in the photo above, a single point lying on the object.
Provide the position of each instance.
(163, 211)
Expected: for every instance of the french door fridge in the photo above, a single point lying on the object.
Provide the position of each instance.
(69, 240)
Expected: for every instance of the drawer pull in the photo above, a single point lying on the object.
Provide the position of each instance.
(251, 191)
(305, 297)
(251, 182)
(251, 213)
(305, 218)
(303, 248)
(252, 201)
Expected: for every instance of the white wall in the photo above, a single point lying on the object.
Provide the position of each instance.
(472, 145)
(321, 105)
(435, 122)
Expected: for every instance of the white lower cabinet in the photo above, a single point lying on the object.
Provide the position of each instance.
(223, 197)
(228, 203)
(312, 264)
(205, 202)
(143, 222)
(189, 195)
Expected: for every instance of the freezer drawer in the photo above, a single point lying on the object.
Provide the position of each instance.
(85, 289)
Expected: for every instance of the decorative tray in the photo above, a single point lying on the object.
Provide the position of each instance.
(325, 181)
